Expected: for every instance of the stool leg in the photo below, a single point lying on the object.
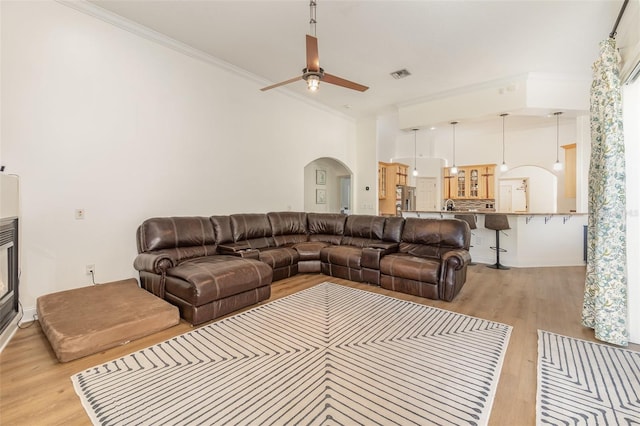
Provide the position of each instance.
(498, 265)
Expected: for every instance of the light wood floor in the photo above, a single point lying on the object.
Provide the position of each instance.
(36, 390)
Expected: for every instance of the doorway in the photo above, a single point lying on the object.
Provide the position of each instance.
(514, 195)
(345, 194)
(426, 194)
(327, 186)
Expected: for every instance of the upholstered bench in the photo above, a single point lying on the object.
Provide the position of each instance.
(87, 320)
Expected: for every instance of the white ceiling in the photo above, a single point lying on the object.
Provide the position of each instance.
(446, 45)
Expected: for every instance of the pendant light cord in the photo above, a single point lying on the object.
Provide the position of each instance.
(557, 137)
(415, 150)
(453, 124)
(503, 150)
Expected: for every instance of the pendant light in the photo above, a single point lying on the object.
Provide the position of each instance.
(415, 170)
(454, 169)
(557, 166)
(503, 166)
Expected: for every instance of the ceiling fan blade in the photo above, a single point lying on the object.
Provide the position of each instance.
(329, 78)
(313, 60)
(273, 86)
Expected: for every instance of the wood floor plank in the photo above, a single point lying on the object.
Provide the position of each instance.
(36, 390)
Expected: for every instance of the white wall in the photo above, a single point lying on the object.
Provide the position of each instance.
(95, 117)
(364, 184)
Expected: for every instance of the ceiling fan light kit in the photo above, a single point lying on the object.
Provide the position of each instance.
(313, 74)
(312, 78)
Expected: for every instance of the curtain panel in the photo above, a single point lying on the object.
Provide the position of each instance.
(605, 296)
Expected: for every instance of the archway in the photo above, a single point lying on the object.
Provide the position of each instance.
(327, 186)
(541, 187)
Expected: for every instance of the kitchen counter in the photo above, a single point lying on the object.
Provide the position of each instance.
(416, 213)
(534, 240)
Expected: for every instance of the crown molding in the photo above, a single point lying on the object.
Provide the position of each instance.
(139, 30)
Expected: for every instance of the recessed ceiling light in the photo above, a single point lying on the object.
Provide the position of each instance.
(400, 74)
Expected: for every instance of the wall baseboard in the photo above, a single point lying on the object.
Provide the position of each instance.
(8, 332)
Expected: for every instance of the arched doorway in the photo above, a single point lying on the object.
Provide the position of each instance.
(327, 186)
(539, 187)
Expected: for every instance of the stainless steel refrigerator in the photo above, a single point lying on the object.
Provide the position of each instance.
(405, 198)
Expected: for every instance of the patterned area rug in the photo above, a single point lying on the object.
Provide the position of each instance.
(328, 355)
(586, 383)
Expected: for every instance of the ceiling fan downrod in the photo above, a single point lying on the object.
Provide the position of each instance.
(312, 17)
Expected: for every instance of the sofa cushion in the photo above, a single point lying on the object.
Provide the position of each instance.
(310, 250)
(393, 227)
(434, 237)
(253, 228)
(277, 257)
(177, 237)
(362, 230)
(222, 229)
(204, 279)
(349, 256)
(411, 267)
(288, 227)
(327, 227)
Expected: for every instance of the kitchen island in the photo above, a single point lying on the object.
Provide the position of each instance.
(534, 240)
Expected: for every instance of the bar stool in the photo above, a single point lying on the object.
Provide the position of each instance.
(471, 220)
(497, 222)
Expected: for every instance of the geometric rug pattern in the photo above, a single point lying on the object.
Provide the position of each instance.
(586, 383)
(328, 355)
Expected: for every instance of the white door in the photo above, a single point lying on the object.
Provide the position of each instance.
(519, 197)
(506, 198)
(426, 194)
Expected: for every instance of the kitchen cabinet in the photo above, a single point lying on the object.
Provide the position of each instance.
(471, 182)
(570, 170)
(487, 182)
(390, 175)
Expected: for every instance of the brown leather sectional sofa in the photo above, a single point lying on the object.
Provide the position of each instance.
(211, 266)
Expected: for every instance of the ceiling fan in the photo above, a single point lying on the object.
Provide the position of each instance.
(313, 74)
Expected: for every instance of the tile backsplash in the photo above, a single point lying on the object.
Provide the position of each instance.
(485, 204)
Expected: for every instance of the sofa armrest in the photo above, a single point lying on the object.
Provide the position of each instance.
(239, 250)
(152, 262)
(371, 255)
(456, 259)
(233, 249)
(388, 247)
(453, 273)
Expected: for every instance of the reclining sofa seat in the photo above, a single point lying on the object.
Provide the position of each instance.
(323, 230)
(178, 261)
(253, 232)
(431, 261)
(344, 260)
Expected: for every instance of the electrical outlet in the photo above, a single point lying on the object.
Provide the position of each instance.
(91, 269)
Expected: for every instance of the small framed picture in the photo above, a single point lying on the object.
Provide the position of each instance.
(321, 196)
(321, 177)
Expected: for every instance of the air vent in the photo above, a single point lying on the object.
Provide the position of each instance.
(400, 74)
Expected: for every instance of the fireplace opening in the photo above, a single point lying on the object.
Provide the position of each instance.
(9, 306)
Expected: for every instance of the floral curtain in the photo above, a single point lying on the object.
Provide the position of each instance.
(605, 295)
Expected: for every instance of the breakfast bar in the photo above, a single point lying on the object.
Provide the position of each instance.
(534, 240)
